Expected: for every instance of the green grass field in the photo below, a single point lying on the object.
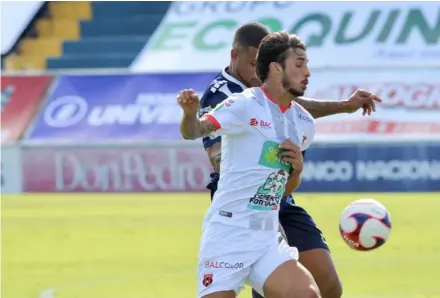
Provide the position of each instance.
(145, 245)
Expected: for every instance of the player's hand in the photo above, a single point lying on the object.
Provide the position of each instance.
(189, 101)
(292, 154)
(362, 99)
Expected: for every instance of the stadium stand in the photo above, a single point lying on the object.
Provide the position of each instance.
(86, 35)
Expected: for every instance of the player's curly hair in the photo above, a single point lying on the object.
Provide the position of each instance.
(275, 48)
(249, 35)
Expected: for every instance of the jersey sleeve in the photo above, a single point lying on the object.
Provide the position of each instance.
(207, 103)
(229, 116)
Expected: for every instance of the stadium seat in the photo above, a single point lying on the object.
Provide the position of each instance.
(89, 34)
(129, 8)
(106, 43)
(90, 61)
(128, 27)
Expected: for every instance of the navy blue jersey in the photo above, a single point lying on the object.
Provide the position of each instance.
(218, 90)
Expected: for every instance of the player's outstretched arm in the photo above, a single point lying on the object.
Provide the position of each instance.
(359, 99)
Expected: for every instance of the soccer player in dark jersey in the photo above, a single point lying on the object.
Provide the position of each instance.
(300, 229)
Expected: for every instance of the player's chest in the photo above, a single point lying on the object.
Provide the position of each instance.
(277, 126)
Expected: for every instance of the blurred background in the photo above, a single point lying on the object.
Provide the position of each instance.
(101, 197)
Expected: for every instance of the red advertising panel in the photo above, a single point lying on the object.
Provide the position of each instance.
(21, 96)
(115, 169)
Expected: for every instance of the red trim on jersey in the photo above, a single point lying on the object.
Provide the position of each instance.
(283, 108)
(212, 120)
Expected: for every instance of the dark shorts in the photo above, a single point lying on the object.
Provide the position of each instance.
(212, 186)
(300, 229)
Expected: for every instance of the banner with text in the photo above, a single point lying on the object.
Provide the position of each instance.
(139, 108)
(10, 171)
(114, 108)
(350, 168)
(116, 169)
(197, 36)
(371, 168)
(410, 107)
(21, 96)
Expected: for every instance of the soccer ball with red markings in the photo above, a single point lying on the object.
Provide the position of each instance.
(365, 224)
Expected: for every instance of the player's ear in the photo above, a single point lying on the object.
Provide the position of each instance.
(234, 54)
(275, 67)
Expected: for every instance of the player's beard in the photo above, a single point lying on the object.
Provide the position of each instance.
(290, 89)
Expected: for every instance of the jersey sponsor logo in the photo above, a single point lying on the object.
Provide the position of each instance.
(269, 195)
(253, 122)
(223, 265)
(265, 124)
(304, 118)
(270, 157)
(261, 123)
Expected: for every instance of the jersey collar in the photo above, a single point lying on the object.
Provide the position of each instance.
(230, 78)
(283, 108)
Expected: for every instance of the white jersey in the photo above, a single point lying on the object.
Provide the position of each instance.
(253, 178)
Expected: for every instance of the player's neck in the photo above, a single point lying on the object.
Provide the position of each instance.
(278, 94)
(233, 74)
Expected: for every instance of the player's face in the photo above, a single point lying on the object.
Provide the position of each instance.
(296, 72)
(245, 67)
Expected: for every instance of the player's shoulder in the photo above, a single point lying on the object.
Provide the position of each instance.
(247, 100)
(225, 84)
(220, 88)
(239, 101)
(246, 97)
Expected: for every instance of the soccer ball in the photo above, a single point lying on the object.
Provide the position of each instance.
(365, 224)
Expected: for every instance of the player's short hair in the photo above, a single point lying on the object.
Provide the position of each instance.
(275, 47)
(249, 35)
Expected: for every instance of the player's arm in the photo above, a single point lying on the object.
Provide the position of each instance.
(223, 119)
(294, 181)
(193, 128)
(292, 184)
(212, 145)
(215, 155)
(359, 99)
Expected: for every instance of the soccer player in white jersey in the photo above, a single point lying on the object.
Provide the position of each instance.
(259, 166)
(299, 226)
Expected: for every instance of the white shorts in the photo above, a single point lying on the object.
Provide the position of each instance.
(230, 257)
